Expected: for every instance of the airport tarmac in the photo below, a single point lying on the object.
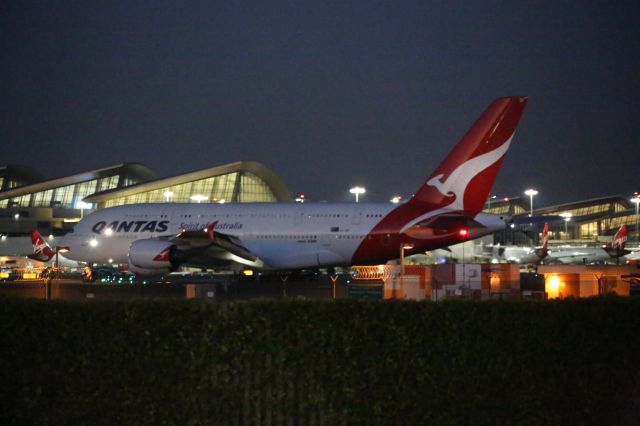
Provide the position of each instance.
(212, 287)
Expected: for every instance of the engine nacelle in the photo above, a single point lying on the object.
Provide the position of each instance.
(150, 256)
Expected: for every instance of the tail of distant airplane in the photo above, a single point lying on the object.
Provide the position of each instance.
(616, 247)
(41, 250)
(543, 250)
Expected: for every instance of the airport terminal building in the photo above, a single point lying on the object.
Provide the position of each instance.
(583, 222)
(29, 201)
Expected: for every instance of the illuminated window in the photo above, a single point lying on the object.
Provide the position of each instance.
(619, 208)
(216, 189)
(616, 222)
(43, 198)
(22, 201)
(588, 230)
(254, 189)
(107, 183)
(518, 209)
(85, 189)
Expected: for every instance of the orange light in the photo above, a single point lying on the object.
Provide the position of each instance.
(463, 232)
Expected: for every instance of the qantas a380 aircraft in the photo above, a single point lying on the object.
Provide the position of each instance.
(158, 238)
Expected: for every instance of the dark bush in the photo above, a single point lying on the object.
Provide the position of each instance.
(345, 362)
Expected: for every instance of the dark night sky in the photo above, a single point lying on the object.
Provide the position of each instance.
(327, 94)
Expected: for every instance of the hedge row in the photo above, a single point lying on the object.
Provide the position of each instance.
(344, 362)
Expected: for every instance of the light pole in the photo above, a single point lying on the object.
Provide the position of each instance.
(491, 197)
(463, 233)
(403, 247)
(636, 201)
(357, 190)
(566, 217)
(530, 193)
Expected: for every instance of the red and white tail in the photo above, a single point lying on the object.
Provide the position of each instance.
(543, 250)
(464, 179)
(454, 194)
(545, 236)
(41, 250)
(615, 248)
(619, 240)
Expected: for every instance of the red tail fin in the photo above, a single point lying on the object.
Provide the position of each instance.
(615, 248)
(620, 239)
(543, 250)
(465, 177)
(41, 250)
(545, 236)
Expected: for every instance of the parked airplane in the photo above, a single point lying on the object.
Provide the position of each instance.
(613, 249)
(41, 256)
(42, 252)
(536, 255)
(157, 238)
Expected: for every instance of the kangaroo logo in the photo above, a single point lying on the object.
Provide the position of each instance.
(456, 183)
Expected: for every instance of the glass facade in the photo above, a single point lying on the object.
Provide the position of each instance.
(596, 209)
(67, 196)
(253, 189)
(501, 209)
(616, 222)
(588, 230)
(506, 209)
(232, 187)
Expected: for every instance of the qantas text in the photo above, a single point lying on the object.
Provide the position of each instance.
(155, 226)
(131, 226)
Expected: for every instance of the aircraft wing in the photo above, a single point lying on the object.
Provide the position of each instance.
(576, 255)
(207, 238)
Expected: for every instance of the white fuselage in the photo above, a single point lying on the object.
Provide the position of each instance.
(578, 255)
(282, 235)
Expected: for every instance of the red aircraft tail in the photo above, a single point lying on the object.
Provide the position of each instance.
(616, 247)
(453, 195)
(41, 250)
(465, 177)
(543, 250)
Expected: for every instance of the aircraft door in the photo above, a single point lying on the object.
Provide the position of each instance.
(326, 256)
(356, 216)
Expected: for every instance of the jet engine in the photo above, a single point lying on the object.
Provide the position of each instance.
(150, 256)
